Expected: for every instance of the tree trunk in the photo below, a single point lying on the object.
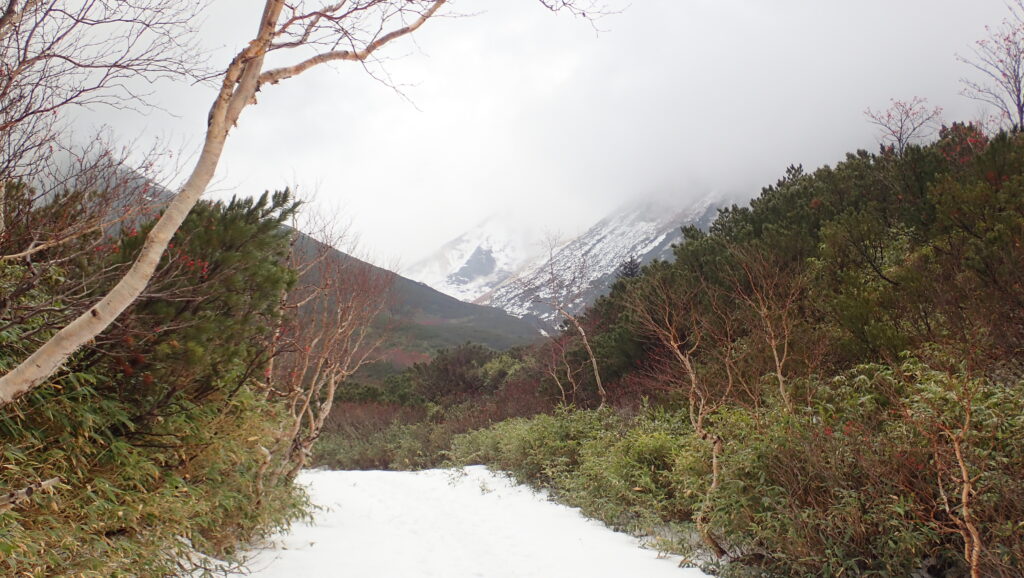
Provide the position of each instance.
(11, 499)
(3, 208)
(12, 15)
(48, 358)
(241, 80)
(590, 353)
(702, 516)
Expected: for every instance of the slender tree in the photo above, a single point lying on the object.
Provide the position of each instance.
(771, 289)
(905, 121)
(557, 365)
(351, 31)
(560, 287)
(327, 336)
(671, 308)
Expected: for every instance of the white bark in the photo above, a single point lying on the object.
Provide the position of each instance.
(239, 86)
(12, 14)
(11, 499)
(241, 81)
(590, 353)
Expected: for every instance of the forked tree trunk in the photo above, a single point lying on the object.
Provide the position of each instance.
(590, 353)
(240, 83)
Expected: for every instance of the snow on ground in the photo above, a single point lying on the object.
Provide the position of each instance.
(449, 524)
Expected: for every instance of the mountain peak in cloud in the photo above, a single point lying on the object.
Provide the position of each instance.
(493, 262)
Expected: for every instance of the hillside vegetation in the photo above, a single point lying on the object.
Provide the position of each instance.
(170, 435)
(828, 382)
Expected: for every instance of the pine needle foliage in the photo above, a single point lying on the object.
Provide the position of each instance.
(156, 430)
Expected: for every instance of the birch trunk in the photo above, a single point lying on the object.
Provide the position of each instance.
(590, 353)
(239, 86)
(240, 83)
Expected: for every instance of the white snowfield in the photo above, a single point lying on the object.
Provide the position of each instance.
(449, 524)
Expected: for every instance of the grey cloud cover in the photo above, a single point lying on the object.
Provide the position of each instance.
(517, 109)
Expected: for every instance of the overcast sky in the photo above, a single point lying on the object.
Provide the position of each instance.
(516, 110)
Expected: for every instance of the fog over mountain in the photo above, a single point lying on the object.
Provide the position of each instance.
(498, 263)
(483, 257)
(517, 107)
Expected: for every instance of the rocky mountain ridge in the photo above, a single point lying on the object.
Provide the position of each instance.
(494, 265)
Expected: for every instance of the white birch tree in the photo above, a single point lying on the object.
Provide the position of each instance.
(317, 33)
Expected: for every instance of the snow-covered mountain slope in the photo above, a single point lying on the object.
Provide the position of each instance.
(480, 259)
(508, 264)
(585, 268)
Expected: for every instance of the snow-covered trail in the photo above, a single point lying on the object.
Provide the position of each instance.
(449, 524)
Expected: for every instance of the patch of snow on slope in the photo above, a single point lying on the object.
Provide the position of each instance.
(480, 259)
(449, 524)
(645, 230)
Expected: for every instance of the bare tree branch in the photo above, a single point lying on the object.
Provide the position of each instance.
(905, 121)
(1000, 60)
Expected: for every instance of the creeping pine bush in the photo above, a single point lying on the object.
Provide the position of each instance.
(396, 446)
(159, 453)
(385, 428)
(126, 509)
(798, 497)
